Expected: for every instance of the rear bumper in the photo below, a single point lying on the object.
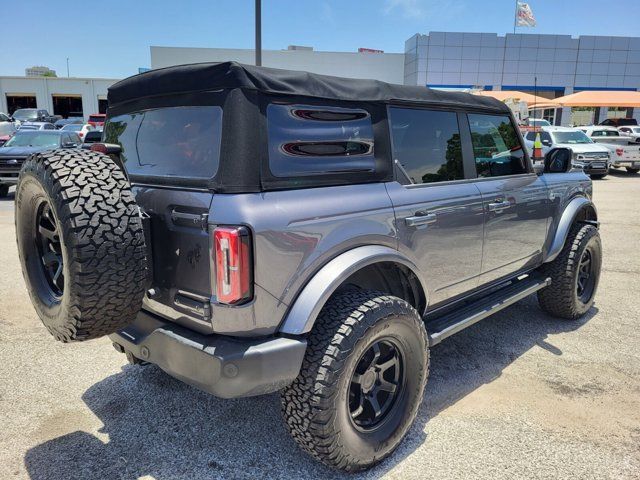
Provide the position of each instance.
(626, 163)
(224, 366)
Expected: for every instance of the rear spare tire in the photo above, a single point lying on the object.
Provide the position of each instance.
(80, 242)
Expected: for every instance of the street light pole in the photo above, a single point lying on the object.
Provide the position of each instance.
(258, 33)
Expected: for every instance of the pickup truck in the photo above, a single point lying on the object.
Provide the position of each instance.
(631, 132)
(34, 115)
(592, 158)
(622, 153)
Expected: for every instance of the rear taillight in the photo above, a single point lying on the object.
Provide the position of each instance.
(232, 260)
(619, 151)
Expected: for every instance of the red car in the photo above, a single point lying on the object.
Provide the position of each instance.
(97, 119)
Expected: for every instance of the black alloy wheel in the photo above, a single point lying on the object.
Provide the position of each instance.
(376, 383)
(49, 248)
(585, 280)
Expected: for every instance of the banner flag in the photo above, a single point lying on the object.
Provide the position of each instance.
(524, 15)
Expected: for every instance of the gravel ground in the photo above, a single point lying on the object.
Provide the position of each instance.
(519, 395)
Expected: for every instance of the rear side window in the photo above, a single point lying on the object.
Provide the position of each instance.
(177, 141)
(306, 140)
(426, 143)
(496, 146)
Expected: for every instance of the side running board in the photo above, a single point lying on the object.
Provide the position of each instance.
(442, 327)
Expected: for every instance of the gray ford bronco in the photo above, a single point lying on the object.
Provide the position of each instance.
(252, 230)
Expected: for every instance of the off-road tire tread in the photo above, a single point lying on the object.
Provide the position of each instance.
(102, 229)
(559, 298)
(307, 401)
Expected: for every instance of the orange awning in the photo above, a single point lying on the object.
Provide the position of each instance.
(503, 95)
(543, 105)
(600, 98)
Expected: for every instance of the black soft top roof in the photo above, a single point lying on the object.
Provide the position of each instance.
(202, 77)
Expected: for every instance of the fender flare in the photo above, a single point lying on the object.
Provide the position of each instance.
(306, 308)
(571, 211)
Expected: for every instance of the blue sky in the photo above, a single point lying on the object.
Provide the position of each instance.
(111, 38)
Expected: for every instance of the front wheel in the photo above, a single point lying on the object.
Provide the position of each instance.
(362, 380)
(575, 274)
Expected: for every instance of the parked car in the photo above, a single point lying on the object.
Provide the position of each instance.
(591, 157)
(80, 129)
(619, 122)
(622, 154)
(33, 115)
(631, 132)
(25, 142)
(7, 127)
(36, 126)
(91, 137)
(536, 122)
(97, 119)
(319, 245)
(68, 121)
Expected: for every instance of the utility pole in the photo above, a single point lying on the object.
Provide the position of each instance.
(515, 18)
(258, 33)
(67, 67)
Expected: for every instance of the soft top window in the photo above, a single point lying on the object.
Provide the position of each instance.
(181, 142)
(309, 140)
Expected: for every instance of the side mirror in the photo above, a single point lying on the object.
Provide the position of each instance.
(558, 160)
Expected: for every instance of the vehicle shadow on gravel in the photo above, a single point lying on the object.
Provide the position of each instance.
(160, 427)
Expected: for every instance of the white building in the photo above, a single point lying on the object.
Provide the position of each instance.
(388, 67)
(60, 96)
(39, 72)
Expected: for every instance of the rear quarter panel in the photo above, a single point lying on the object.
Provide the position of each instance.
(295, 232)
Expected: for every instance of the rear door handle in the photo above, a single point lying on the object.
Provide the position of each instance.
(420, 218)
(499, 206)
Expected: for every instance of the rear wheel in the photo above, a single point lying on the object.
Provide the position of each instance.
(575, 274)
(632, 170)
(361, 382)
(80, 242)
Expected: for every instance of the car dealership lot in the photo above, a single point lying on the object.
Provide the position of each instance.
(519, 395)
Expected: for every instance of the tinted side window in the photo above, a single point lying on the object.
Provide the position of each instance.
(496, 146)
(176, 141)
(311, 140)
(427, 144)
(531, 136)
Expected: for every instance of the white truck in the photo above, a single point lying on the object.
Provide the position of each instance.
(631, 132)
(591, 157)
(623, 154)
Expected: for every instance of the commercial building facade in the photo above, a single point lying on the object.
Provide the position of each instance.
(387, 67)
(549, 65)
(60, 96)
